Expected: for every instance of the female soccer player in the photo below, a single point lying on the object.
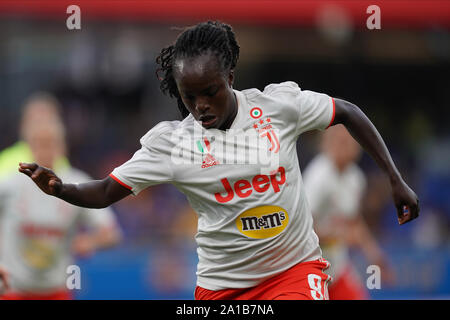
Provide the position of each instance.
(255, 232)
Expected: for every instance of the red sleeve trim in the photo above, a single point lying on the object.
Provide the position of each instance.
(120, 182)
(334, 112)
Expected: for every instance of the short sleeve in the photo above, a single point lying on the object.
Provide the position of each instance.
(316, 111)
(149, 166)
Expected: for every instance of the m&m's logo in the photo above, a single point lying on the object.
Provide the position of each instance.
(262, 222)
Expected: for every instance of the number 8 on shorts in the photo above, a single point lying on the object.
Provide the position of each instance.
(315, 284)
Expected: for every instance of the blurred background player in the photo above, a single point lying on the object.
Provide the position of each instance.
(40, 107)
(38, 235)
(335, 186)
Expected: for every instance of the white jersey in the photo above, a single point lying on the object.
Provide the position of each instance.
(333, 194)
(36, 231)
(253, 219)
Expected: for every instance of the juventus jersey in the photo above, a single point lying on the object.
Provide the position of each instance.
(244, 183)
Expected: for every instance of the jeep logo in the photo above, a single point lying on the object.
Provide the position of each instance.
(244, 188)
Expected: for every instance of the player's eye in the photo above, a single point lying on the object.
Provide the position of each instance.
(212, 93)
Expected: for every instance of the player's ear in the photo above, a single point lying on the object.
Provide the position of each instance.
(231, 78)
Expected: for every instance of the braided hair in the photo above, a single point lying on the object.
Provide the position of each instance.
(212, 36)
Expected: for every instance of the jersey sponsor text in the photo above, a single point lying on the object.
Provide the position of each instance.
(244, 188)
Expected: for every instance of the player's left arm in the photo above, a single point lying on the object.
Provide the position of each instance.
(363, 131)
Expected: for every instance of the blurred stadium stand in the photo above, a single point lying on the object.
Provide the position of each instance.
(104, 76)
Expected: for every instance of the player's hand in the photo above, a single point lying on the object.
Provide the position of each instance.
(44, 178)
(406, 202)
(3, 279)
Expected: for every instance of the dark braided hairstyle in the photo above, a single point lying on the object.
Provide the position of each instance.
(212, 36)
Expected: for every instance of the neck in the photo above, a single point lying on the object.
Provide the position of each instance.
(234, 107)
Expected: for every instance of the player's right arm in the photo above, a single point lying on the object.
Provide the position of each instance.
(92, 194)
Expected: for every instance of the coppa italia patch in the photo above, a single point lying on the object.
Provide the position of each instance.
(262, 222)
(205, 148)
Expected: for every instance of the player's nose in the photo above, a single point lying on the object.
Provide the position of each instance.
(202, 107)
